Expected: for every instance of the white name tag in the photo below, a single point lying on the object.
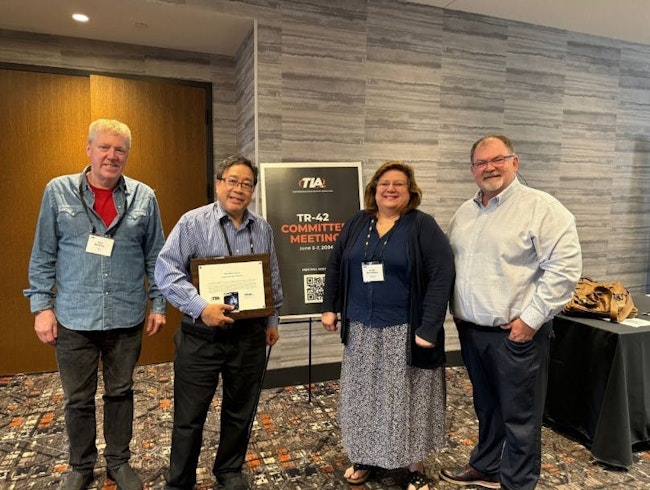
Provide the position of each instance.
(372, 271)
(100, 245)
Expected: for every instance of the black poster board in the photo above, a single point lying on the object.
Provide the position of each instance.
(307, 204)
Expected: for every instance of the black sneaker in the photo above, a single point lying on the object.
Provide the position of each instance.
(233, 481)
(76, 480)
(125, 477)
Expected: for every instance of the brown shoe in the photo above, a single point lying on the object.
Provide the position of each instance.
(467, 475)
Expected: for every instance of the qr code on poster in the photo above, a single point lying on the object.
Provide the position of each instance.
(314, 284)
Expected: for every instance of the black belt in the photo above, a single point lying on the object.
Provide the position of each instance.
(474, 326)
(192, 321)
(199, 329)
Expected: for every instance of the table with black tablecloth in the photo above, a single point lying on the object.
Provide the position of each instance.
(599, 384)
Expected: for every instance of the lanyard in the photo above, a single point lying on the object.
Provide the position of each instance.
(110, 234)
(225, 236)
(383, 246)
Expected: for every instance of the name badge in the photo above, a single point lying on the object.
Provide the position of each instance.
(372, 271)
(100, 245)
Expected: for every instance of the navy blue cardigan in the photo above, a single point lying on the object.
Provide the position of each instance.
(432, 279)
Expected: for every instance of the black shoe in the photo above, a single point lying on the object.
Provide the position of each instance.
(466, 476)
(76, 480)
(233, 481)
(125, 477)
(417, 479)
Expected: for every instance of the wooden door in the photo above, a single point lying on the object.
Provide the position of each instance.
(168, 152)
(44, 121)
(43, 129)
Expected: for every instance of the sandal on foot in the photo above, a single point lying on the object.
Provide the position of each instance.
(418, 480)
(366, 472)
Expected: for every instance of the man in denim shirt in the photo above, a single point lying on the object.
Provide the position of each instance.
(98, 235)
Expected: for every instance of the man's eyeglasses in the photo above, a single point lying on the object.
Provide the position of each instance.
(232, 183)
(500, 160)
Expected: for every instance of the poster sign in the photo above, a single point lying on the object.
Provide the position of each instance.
(307, 205)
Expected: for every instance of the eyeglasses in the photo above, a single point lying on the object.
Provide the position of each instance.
(500, 160)
(231, 183)
(119, 151)
(397, 185)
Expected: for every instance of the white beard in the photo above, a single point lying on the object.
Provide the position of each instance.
(492, 184)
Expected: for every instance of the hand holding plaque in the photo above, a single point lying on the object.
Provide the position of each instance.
(242, 281)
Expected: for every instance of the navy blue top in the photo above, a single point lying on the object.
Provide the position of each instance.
(431, 279)
(380, 303)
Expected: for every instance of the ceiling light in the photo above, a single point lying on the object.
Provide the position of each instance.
(80, 17)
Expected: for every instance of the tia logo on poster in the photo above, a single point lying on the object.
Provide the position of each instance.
(312, 183)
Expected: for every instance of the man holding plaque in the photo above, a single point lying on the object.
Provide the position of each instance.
(210, 341)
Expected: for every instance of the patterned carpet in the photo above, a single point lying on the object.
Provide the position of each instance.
(295, 442)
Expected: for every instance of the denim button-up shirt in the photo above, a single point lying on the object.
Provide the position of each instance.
(86, 290)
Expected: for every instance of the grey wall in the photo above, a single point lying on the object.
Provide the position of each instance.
(245, 96)
(382, 79)
(373, 80)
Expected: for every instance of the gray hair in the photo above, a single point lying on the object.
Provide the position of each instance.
(228, 162)
(112, 126)
(501, 137)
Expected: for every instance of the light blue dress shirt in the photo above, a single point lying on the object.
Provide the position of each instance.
(519, 256)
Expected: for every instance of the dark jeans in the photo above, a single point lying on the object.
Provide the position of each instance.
(202, 355)
(78, 354)
(509, 383)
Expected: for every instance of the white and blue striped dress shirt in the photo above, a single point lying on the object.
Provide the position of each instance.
(199, 233)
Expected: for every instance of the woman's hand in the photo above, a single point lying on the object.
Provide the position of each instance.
(424, 343)
(329, 319)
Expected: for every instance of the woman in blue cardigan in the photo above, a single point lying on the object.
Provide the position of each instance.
(390, 277)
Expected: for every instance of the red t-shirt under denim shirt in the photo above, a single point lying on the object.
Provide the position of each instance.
(104, 205)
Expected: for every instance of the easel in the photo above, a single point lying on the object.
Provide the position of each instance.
(310, 321)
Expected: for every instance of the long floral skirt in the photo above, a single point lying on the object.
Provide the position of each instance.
(391, 414)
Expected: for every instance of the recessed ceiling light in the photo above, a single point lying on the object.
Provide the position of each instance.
(80, 17)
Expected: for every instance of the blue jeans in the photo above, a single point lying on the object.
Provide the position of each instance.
(78, 354)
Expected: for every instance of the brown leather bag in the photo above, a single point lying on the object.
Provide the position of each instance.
(601, 299)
